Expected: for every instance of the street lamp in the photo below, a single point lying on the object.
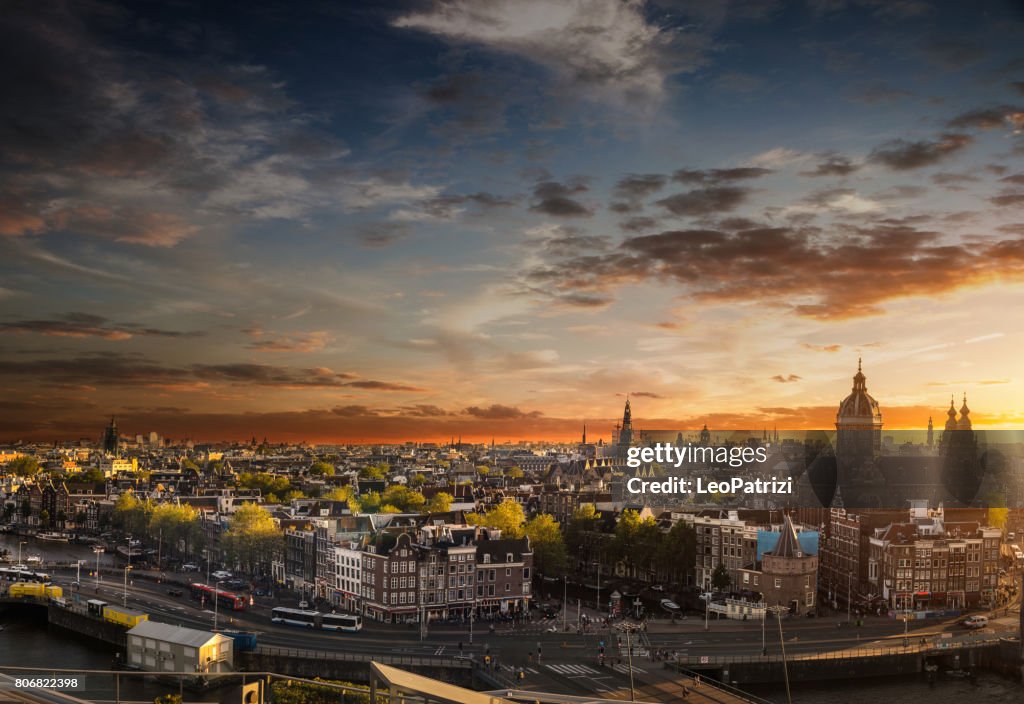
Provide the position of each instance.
(597, 563)
(849, 580)
(629, 628)
(216, 602)
(19, 551)
(99, 551)
(778, 611)
(126, 571)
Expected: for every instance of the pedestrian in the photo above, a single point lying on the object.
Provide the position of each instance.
(686, 691)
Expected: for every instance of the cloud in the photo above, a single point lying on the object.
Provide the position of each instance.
(638, 223)
(88, 325)
(604, 50)
(632, 189)
(303, 342)
(821, 348)
(787, 379)
(798, 268)
(692, 176)
(832, 165)
(777, 157)
(1008, 199)
(903, 155)
(953, 52)
(992, 118)
(424, 410)
(705, 201)
(497, 411)
(555, 198)
(645, 394)
(146, 148)
(382, 386)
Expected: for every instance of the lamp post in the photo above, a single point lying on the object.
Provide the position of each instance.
(216, 602)
(849, 581)
(99, 551)
(19, 552)
(707, 612)
(597, 563)
(778, 611)
(127, 569)
(764, 619)
(78, 572)
(629, 628)
(565, 608)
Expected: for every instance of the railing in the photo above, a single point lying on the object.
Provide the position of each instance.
(386, 658)
(715, 684)
(854, 654)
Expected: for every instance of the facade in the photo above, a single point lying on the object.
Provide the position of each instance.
(788, 575)
(348, 575)
(163, 647)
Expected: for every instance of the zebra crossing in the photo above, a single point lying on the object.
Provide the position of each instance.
(575, 670)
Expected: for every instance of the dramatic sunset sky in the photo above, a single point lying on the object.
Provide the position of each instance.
(410, 220)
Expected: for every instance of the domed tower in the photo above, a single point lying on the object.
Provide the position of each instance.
(859, 421)
(965, 421)
(951, 415)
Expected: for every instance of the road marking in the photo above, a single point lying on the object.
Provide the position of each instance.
(624, 669)
(439, 650)
(574, 670)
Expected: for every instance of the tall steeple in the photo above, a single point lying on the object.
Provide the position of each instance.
(584, 434)
(965, 421)
(931, 432)
(951, 415)
(626, 431)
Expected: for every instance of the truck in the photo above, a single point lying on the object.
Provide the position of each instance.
(53, 592)
(129, 618)
(36, 590)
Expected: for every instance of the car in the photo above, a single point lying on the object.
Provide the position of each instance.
(174, 592)
(706, 596)
(657, 588)
(189, 567)
(303, 604)
(669, 605)
(222, 574)
(33, 559)
(975, 622)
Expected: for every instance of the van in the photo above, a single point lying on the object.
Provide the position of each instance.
(975, 622)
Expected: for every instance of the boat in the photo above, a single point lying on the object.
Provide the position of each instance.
(53, 537)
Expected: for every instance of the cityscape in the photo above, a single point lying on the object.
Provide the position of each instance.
(533, 351)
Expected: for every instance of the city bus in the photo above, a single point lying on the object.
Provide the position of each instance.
(225, 600)
(13, 574)
(296, 617)
(341, 622)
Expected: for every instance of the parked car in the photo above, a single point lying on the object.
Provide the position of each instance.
(303, 604)
(669, 605)
(222, 574)
(657, 588)
(189, 567)
(174, 592)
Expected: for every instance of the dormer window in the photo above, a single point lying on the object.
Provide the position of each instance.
(509, 557)
(487, 558)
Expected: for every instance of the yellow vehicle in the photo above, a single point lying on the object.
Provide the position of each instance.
(129, 618)
(53, 591)
(28, 589)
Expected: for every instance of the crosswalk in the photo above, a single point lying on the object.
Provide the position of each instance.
(576, 670)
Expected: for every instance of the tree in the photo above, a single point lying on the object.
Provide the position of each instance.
(339, 493)
(374, 471)
(407, 500)
(174, 525)
(369, 502)
(44, 517)
(132, 515)
(997, 516)
(265, 482)
(253, 538)
(418, 479)
(583, 522)
(441, 502)
(24, 466)
(322, 469)
(720, 578)
(483, 470)
(92, 474)
(514, 473)
(677, 551)
(549, 556)
(507, 516)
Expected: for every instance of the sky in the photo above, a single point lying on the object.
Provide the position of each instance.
(390, 221)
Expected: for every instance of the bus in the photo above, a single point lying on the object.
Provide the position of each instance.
(225, 600)
(341, 622)
(13, 574)
(296, 617)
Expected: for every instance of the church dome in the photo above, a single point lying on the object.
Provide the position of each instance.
(859, 408)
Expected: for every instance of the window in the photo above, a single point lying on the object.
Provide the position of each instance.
(778, 583)
(508, 571)
(526, 573)
(509, 558)
(508, 587)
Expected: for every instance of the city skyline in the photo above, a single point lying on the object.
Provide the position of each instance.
(497, 219)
